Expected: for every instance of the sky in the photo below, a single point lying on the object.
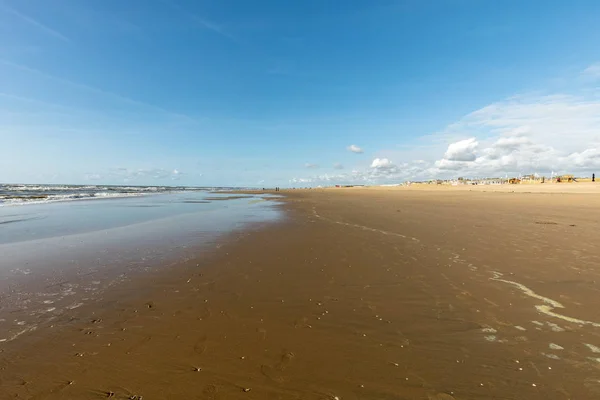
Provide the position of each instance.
(296, 93)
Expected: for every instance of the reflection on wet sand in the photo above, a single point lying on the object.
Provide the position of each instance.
(58, 257)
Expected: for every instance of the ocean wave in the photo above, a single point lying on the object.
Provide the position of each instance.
(36, 188)
(15, 194)
(80, 188)
(51, 198)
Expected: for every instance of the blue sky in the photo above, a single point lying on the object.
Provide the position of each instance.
(264, 93)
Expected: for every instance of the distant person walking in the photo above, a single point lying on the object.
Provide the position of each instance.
(593, 177)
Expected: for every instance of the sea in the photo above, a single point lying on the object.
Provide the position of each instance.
(17, 194)
(63, 246)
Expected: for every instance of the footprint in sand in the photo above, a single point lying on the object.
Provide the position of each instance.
(200, 346)
(139, 344)
(262, 333)
(204, 314)
(276, 372)
(302, 323)
(211, 392)
(592, 384)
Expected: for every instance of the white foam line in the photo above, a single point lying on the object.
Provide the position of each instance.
(594, 349)
(74, 306)
(16, 335)
(550, 305)
(544, 309)
(366, 228)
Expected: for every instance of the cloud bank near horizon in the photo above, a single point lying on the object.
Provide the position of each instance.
(129, 175)
(542, 134)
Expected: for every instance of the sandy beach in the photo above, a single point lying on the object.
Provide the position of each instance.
(389, 293)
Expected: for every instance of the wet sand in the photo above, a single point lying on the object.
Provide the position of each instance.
(57, 257)
(359, 294)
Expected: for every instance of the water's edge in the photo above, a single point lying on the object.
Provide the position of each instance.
(46, 282)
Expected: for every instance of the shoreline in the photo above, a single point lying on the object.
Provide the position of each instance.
(135, 285)
(359, 294)
(58, 257)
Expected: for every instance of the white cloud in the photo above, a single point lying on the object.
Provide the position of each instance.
(463, 150)
(564, 121)
(141, 174)
(381, 170)
(93, 177)
(593, 71)
(522, 134)
(355, 149)
(586, 159)
(526, 135)
(309, 165)
(338, 166)
(302, 180)
(382, 163)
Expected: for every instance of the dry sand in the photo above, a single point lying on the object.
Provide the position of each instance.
(360, 294)
(554, 188)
